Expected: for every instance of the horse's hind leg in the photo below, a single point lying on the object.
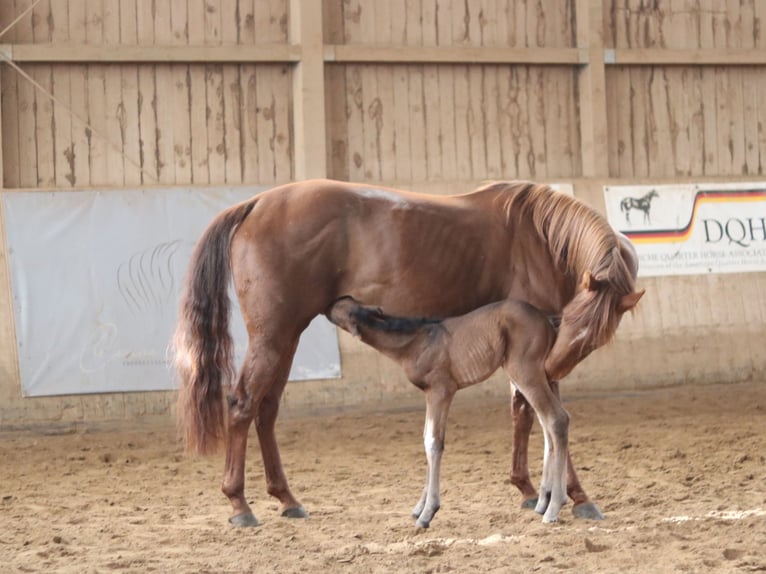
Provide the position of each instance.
(261, 379)
(522, 417)
(276, 481)
(583, 506)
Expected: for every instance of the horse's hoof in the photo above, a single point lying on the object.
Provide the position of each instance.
(245, 520)
(295, 512)
(529, 503)
(424, 525)
(587, 510)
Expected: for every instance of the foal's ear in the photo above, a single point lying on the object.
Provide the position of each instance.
(627, 302)
(589, 282)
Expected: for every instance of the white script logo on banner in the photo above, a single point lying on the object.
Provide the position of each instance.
(692, 229)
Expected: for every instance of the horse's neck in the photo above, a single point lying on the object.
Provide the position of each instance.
(397, 345)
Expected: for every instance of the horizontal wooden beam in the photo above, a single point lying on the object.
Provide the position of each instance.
(81, 53)
(348, 54)
(345, 53)
(664, 57)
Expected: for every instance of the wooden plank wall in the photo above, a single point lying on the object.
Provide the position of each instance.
(186, 123)
(433, 95)
(668, 121)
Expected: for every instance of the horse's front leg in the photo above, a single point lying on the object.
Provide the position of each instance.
(438, 400)
(522, 417)
(583, 506)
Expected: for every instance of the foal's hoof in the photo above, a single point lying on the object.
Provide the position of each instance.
(587, 510)
(295, 512)
(245, 520)
(529, 503)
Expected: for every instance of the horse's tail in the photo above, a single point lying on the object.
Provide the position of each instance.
(204, 349)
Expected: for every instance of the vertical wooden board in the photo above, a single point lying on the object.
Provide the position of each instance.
(283, 144)
(417, 122)
(432, 122)
(737, 81)
(372, 122)
(94, 22)
(383, 26)
(526, 157)
(163, 120)
(232, 122)
(449, 114)
(250, 159)
(538, 96)
(199, 123)
(332, 19)
(272, 26)
(412, 33)
(705, 22)
(505, 106)
(353, 13)
(179, 23)
(337, 127)
(476, 122)
(387, 132)
(145, 17)
(696, 113)
(759, 24)
(97, 147)
(130, 125)
(147, 114)
(523, 36)
(760, 86)
(490, 112)
(114, 116)
(265, 125)
(163, 28)
(216, 142)
(572, 144)
(246, 23)
(552, 160)
(614, 115)
(725, 142)
(229, 22)
(639, 82)
(491, 28)
(79, 97)
(680, 94)
(62, 118)
(182, 123)
(9, 154)
(212, 22)
(710, 122)
(749, 25)
(662, 132)
(402, 123)
(733, 23)
(429, 28)
(196, 22)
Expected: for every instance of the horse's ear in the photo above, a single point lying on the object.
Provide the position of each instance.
(589, 282)
(627, 302)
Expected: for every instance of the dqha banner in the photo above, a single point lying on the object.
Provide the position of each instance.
(692, 229)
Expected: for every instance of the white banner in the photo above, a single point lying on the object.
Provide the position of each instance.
(692, 229)
(96, 277)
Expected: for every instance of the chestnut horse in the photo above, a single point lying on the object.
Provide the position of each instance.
(297, 248)
(441, 357)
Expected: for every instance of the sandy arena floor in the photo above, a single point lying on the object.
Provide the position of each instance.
(679, 473)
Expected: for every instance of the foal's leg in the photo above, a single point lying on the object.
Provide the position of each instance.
(438, 400)
(522, 417)
(555, 422)
(583, 506)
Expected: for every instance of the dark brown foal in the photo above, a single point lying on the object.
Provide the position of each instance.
(443, 356)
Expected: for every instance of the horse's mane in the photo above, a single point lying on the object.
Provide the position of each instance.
(579, 239)
(374, 318)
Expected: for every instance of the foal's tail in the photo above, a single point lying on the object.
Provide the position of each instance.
(204, 349)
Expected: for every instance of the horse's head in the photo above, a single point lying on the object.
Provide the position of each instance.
(341, 313)
(591, 318)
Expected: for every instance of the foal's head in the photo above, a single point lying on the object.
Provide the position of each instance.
(591, 318)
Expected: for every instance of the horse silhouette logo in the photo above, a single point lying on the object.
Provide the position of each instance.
(643, 203)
